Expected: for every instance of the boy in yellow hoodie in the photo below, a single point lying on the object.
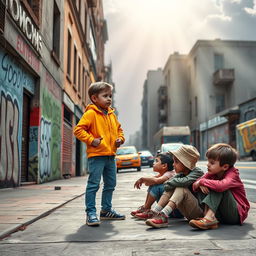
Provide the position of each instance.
(102, 133)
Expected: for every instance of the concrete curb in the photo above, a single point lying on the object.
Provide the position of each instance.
(22, 226)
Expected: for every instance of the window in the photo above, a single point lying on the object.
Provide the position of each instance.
(56, 31)
(35, 7)
(196, 107)
(75, 60)
(79, 76)
(69, 54)
(190, 110)
(67, 116)
(220, 103)
(218, 61)
(195, 63)
(84, 85)
(86, 22)
(249, 114)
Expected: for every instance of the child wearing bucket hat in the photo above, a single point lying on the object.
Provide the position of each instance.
(178, 193)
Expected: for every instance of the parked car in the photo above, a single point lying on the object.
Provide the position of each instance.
(128, 157)
(147, 158)
(170, 146)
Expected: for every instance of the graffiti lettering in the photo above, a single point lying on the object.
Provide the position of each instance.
(249, 137)
(9, 153)
(45, 140)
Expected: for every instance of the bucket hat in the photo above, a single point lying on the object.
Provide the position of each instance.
(188, 155)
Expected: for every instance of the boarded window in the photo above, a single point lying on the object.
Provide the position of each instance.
(56, 31)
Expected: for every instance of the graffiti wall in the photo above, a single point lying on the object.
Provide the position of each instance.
(13, 78)
(50, 131)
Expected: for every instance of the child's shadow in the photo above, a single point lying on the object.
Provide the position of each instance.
(93, 233)
(228, 232)
(180, 228)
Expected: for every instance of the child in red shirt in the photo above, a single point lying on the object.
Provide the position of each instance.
(221, 191)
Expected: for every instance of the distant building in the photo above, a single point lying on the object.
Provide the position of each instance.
(205, 89)
(150, 108)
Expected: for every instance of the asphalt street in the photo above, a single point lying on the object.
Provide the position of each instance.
(62, 231)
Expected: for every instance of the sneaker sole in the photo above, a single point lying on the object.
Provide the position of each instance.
(141, 218)
(214, 226)
(154, 225)
(93, 224)
(111, 218)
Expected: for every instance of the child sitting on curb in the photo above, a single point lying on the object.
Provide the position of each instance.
(163, 164)
(221, 190)
(178, 190)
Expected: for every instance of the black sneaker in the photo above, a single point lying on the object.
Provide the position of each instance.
(111, 215)
(92, 220)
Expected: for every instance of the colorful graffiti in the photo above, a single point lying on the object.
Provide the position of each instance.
(45, 151)
(50, 137)
(9, 154)
(13, 78)
(246, 136)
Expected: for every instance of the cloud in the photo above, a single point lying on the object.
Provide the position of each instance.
(251, 11)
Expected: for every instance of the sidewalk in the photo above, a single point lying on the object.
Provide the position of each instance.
(64, 230)
(23, 205)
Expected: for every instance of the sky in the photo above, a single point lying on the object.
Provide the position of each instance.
(143, 33)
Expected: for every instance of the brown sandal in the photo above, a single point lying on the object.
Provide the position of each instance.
(204, 223)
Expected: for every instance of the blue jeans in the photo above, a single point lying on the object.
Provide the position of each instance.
(156, 191)
(100, 166)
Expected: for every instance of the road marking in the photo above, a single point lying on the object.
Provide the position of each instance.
(238, 167)
(250, 186)
(245, 167)
(249, 181)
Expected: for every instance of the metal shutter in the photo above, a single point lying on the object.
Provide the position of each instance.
(25, 138)
(67, 149)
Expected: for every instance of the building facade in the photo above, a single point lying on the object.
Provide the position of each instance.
(206, 90)
(150, 109)
(35, 98)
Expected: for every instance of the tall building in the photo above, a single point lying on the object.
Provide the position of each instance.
(222, 76)
(49, 53)
(149, 105)
(206, 87)
(177, 88)
(85, 33)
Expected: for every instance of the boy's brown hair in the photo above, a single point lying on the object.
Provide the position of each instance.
(96, 88)
(223, 153)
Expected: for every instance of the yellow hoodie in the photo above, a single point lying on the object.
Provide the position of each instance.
(95, 124)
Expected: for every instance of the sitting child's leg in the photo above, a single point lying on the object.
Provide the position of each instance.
(182, 199)
(219, 207)
(154, 194)
(163, 201)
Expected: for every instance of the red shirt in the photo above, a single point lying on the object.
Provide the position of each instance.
(230, 181)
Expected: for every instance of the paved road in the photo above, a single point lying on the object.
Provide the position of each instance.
(64, 232)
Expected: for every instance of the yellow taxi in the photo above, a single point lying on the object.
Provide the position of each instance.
(128, 157)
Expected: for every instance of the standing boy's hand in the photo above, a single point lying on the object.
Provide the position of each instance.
(96, 142)
(118, 142)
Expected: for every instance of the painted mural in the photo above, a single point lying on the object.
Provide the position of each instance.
(50, 131)
(13, 78)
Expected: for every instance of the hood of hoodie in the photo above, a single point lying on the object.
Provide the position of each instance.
(94, 107)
